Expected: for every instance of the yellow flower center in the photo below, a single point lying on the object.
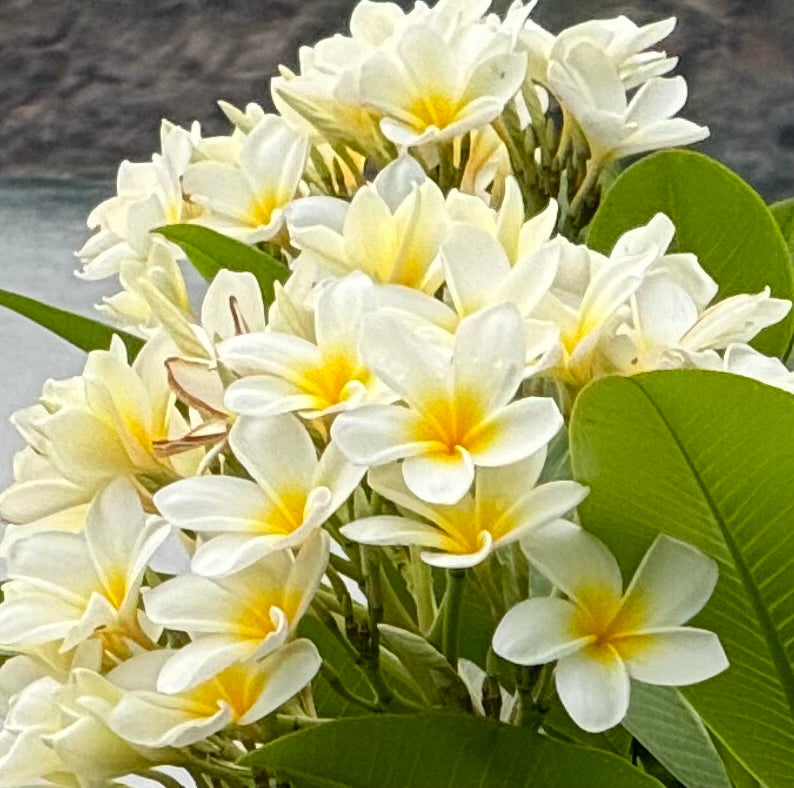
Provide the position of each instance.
(286, 514)
(261, 209)
(602, 616)
(329, 382)
(453, 423)
(435, 110)
(116, 588)
(236, 685)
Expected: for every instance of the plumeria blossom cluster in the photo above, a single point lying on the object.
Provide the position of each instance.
(389, 411)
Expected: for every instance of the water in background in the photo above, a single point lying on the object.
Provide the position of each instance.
(42, 222)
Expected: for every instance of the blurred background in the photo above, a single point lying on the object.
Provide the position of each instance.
(86, 82)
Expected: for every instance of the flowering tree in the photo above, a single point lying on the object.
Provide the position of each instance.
(368, 515)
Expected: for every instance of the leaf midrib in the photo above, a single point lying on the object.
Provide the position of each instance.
(767, 626)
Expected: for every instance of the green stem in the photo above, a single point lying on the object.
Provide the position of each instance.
(422, 591)
(544, 688)
(591, 176)
(163, 778)
(339, 688)
(446, 167)
(306, 697)
(295, 722)
(489, 588)
(456, 579)
(237, 774)
(346, 568)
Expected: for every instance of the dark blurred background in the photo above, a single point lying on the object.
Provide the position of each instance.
(85, 82)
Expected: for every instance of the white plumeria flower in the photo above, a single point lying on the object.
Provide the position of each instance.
(621, 40)
(96, 427)
(31, 714)
(232, 305)
(131, 308)
(488, 165)
(667, 329)
(602, 637)
(246, 201)
(590, 90)
(323, 99)
(292, 495)
(741, 359)
(391, 230)
(590, 290)
(519, 237)
(479, 275)
(458, 411)
(149, 195)
(282, 373)
(437, 84)
(74, 587)
(241, 695)
(238, 617)
(503, 507)
(88, 749)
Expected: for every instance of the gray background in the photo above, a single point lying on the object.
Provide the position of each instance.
(85, 82)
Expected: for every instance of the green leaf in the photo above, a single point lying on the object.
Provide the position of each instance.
(209, 252)
(329, 703)
(783, 212)
(437, 751)
(671, 730)
(440, 684)
(707, 457)
(717, 216)
(558, 723)
(740, 777)
(83, 332)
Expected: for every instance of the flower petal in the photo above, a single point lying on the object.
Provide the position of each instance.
(376, 434)
(457, 560)
(294, 463)
(515, 431)
(576, 562)
(673, 657)
(537, 631)
(213, 503)
(388, 530)
(288, 670)
(672, 583)
(489, 357)
(204, 658)
(266, 395)
(439, 477)
(594, 686)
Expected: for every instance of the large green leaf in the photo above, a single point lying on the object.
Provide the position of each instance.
(671, 730)
(438, 751)
(783, 212)
(708, 457)
(209, 252)
(717, 216)
(83, 332)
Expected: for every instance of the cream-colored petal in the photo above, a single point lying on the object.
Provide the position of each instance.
(593, 685)
(439, 477)
(673, 657)
(537, 631)
(577, 563)
(672, 583)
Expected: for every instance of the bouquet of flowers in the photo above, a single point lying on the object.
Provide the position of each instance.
(475, 451)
